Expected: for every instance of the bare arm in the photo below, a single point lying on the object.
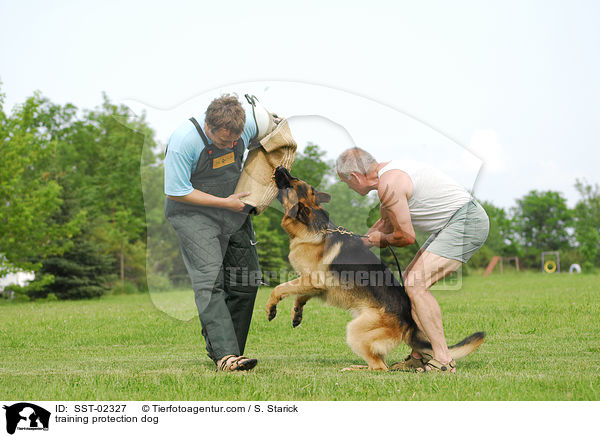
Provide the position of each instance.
(394, 190)
(383, 224)
(378, 226)
(200, 198)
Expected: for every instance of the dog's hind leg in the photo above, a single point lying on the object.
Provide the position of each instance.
(372, 336)
(419, 342)
(298, 309)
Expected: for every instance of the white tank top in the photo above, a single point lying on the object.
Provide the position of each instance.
(436, 196)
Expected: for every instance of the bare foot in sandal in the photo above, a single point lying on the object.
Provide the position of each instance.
(434, 365)
(235, 363)
(410, 364)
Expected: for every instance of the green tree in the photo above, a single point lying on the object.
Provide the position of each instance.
(93, 158)
(587, 223)
(541, 220)
(112, 192)
(310, 166)
(30, 193)
(81, 272)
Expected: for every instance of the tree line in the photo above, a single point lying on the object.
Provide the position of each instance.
(81, 205)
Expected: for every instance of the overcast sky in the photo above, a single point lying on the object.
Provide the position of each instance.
(510, 85)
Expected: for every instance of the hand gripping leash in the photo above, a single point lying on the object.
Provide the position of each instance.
(343, 231)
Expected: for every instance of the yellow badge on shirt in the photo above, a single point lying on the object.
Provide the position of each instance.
(224, 160)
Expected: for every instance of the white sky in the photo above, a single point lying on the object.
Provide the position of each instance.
(514, 83)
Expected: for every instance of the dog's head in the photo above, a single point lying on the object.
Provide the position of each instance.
(301, 202)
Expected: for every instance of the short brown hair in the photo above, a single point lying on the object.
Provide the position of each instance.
(226, 112)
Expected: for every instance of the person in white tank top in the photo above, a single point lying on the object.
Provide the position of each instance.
(435, 196)
(414, 195)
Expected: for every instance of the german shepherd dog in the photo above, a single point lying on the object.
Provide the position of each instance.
(341, 270)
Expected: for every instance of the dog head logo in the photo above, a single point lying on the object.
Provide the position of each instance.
(301, 202)
(25, 416)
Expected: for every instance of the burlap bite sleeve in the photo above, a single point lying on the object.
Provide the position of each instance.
(277, 149)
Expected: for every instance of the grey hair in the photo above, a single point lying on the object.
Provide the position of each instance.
(354, 160)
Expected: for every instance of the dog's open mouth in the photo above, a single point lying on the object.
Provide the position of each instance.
(282, 181)
(283, 178)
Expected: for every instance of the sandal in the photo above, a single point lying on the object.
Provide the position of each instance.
(234, 363)
(436, 366)
(410, 364)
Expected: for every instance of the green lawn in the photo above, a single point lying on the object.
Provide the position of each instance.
(543, 344)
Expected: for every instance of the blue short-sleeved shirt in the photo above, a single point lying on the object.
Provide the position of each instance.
(184, 148)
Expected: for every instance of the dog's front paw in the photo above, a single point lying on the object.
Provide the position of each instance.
(296, 316)
(271, 311)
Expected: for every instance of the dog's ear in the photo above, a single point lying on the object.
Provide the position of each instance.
(300, 212)
(293, 211)
(303, 213)
(321, 197)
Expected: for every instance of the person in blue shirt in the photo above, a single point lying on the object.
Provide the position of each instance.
(203, 164)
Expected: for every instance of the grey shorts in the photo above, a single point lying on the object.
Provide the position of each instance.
(463, 235)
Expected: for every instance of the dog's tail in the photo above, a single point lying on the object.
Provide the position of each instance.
(467, 345)
(419, 341)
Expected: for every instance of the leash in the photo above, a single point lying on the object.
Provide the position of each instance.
(343, 231)
(398, 264)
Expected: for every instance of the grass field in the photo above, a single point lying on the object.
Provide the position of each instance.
(543, 344)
